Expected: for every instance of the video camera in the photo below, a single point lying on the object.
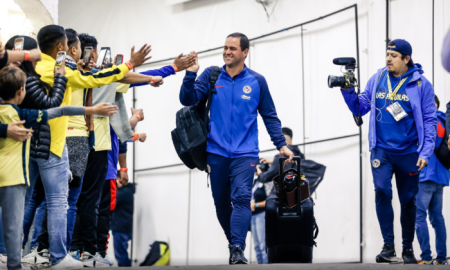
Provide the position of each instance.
(349, 79)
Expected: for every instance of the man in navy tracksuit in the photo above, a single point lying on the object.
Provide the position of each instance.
(233, 139)
(402, 131)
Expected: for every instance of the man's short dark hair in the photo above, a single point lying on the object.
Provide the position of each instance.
(11, 80)
(244, 42)
(287, 131)
(29, 43)
(436, 100)
(49, 37)
(87, 41)
(72, 37)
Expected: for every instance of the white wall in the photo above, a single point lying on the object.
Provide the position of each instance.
(176, 206)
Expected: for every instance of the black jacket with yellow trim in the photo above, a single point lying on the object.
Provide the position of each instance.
(37, 98)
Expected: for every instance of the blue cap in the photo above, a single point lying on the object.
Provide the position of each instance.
(400, 45)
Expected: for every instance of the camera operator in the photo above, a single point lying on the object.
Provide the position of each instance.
(402, 131)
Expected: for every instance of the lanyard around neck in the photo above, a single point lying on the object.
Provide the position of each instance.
(399, 85)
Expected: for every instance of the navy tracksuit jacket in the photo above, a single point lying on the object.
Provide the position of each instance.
(233, 141)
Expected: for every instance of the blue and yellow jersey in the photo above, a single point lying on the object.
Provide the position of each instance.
(14, 155)
(76, 79)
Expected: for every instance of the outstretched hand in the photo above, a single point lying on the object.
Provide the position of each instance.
(195, 67)
(184, 63)
(139, 57)
(156, 81)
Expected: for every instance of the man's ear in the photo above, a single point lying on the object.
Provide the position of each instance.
(245, 53)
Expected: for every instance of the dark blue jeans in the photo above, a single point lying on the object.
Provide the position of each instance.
(2, 240)
(384, 165)
(74, 194)
(231, 185)
(121, 248)
(429, 199)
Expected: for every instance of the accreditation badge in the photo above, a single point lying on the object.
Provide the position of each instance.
(397, 111)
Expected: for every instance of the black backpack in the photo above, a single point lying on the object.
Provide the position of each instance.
(191, 133)
(442, 152)
(159, 255)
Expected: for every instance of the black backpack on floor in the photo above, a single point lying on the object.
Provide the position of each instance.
(191, 133)
(442, 152)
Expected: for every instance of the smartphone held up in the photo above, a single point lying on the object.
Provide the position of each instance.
(60, 57)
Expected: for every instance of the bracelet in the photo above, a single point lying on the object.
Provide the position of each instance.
(256, 205)
(153, 80)
(136, 136)
(129, 65)
(124, 169)
(137, 115)
(175, 67)
(27, 56)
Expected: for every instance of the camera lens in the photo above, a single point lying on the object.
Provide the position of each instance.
(336, 81)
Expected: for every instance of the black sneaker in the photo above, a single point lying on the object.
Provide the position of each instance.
(387, 255)
(408, 256)
(237, 256)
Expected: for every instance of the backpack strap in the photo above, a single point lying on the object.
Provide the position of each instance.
(213, 76)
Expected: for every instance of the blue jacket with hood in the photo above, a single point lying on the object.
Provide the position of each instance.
(421, 95)
(234, 110)
(435, 171)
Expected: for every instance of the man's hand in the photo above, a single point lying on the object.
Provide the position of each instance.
(139, 57)
(88, 68)
(252, 205)
(124, 178)
(142, 137)
(139, 112)
(62, 69)
(17, 133)
(104, 109)
(421, 163)
(286, 152)
(266, 160)
(183, 63)
(195, 67)
(35, 55)
(156, 81)
(449, 143)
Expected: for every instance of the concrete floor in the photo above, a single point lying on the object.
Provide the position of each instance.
(289, 267)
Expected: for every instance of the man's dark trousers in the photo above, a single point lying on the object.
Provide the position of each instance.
(107, 205)
(231, 185)
(85, 231)
(384, 165)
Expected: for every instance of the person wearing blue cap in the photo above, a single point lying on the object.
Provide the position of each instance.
(402, 131)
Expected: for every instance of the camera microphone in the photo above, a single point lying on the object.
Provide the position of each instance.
(344, 61)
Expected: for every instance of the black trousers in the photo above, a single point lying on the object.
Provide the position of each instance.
(107, 205)
(85, 232)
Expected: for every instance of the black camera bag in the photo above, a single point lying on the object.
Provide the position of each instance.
(290, 232)
(191, 133)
